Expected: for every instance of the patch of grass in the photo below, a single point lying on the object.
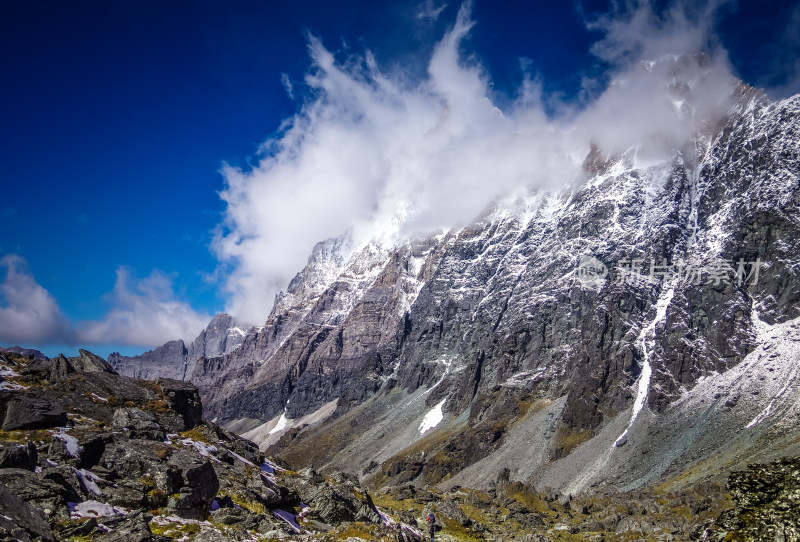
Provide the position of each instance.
(158, 405)
(391, 504)
(254, 506)
(198, 434)
(359, 530)
(173, 530)
(457, 531)
(567, 439)
(25, 435)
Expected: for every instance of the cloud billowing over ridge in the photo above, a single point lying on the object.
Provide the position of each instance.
(376, 155)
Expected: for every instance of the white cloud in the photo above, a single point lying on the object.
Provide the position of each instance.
(30, 315)
(374, 154)
(430, 10)
(143, 312)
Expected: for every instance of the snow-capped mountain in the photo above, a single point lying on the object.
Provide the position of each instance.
(639, 323)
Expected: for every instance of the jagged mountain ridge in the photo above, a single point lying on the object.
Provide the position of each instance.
(175, 360)
(619, 214)
(495, 314)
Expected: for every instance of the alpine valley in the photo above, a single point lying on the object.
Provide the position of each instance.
(617, 359)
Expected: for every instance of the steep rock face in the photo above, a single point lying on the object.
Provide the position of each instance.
(501, 297)
(168, 360)
(177, 361)
(690, 255)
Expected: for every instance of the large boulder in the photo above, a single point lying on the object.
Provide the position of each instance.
(47, 495)
(58, 370)
(137, 424)
(199, 485)
(184, 399)
(20, 521)
(132, 459)
(87, 362)
(340, 500)
(18, 456)
(31, 411)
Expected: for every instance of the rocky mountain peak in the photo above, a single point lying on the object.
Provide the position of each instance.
(177, 361)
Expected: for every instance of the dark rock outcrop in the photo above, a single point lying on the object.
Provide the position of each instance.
(133, 461)
(19, 456)
(33, 411)
(26, 352)
(20, 521)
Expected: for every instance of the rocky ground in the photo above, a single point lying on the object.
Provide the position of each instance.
(87, 454)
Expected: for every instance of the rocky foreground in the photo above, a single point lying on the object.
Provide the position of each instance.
(87, 454)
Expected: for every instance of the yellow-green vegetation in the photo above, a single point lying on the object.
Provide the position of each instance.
(25, 435)
(173, 530)
(74, 524)
(535, 502)
(253, 506)
(162, 452)
(391, 504)
(157, 405)
(532, 406)
(359, 530)
(199, 434)
(456, 531)
(566, 440)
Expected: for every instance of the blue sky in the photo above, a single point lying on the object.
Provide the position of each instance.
(118, 116)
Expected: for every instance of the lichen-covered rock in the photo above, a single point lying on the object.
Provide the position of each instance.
(198, 485)
(767, 501)
(138, 424)
(47, 495)
(20, 521)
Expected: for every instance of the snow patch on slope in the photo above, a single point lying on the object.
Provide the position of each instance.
(646, 343)
(432, 418)
(778, 338)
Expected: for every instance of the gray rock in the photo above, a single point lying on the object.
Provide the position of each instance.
(19, 456)
(198, 485)
(132, 460)
(241, 517)
(31, 411)
(87, 362)
(20, 521)
(138, 424)
(46, 495)
(135, 528)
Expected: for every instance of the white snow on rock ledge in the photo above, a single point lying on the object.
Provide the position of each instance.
(94, 509)
(432, 418)
(281, 425)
